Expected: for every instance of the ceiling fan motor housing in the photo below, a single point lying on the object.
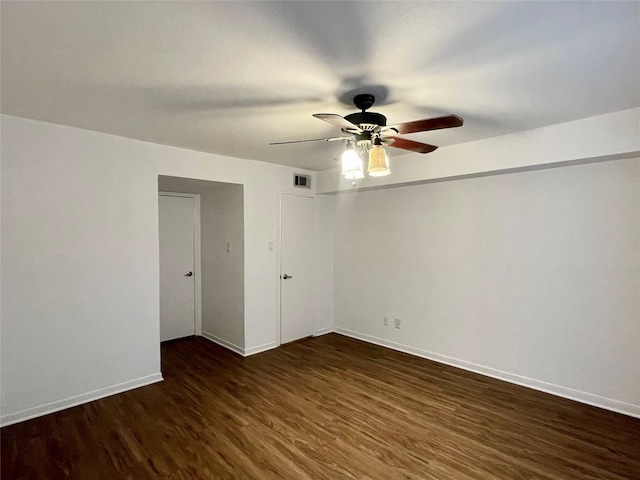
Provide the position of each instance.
(367, 118)
(368, 121)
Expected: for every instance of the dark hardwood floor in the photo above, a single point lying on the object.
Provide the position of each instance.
(322, 408)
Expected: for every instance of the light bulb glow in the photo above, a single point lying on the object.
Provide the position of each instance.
(351, 165)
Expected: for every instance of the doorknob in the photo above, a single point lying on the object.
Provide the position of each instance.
(285, 276)
(189, 274)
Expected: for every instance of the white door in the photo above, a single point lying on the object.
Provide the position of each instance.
(296, 279)
(177, 279)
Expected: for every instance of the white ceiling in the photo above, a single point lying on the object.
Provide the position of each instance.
(230, 77)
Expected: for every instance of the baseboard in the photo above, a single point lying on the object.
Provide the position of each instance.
(558, 390)
(223, 343)
(260, 348)
(324, 331)
(76, 400)
(245, 352)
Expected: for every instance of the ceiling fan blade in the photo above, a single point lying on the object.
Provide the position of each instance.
(427, 124)
(332, 139)
(338, 121)
(406, 144)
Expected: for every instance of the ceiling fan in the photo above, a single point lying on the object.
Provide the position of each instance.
(366, 133)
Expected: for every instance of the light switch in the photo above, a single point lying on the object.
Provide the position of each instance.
(228, 247)
(271, 246)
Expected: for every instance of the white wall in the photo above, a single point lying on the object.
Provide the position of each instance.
(612, 136)
(80, 260)
(222, 270)
(80, 273)
(324, 208)
(533, 277)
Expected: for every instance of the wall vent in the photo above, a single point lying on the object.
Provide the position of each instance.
(301, 181)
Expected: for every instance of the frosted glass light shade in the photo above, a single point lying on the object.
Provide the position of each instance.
(378, 162)
(351, 165)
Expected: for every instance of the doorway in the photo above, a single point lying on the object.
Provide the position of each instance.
(221, 271)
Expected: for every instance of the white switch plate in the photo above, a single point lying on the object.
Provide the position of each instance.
(271, 246)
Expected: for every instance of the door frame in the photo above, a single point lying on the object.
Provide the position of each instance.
(197, 264)
(279, 266)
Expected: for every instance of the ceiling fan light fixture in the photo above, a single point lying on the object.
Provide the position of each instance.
(378, 160)
(352, 165)
(364, 132)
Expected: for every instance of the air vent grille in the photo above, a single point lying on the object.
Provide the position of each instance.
(301, 181)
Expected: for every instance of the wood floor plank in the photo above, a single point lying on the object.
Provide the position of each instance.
(324, 408)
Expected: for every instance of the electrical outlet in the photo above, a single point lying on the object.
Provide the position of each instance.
(385, 321)
(397, 323)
